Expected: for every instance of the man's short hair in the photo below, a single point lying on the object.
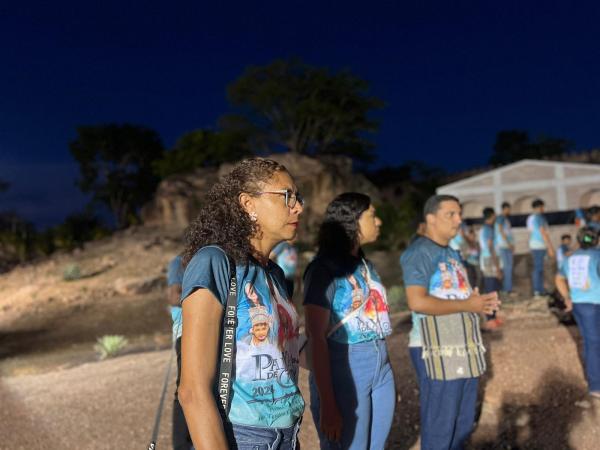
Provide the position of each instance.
(565, 236)
(432, 205)
(488, 212)
(537, 203)
(505, 205)
(593, 210)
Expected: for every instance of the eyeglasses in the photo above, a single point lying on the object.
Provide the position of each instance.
(291, 198)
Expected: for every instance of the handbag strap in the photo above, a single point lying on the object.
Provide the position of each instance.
(227, 355)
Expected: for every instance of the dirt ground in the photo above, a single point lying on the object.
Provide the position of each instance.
(533, 396)
(55, 394)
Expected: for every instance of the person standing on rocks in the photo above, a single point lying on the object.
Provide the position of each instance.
(578, 281)
(180, 434)
(238, 392)
(352, 387)
(445, 342)
(539, 244)
(505, 246)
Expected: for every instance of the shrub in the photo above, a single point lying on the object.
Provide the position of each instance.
(109, 346)
(71, 272)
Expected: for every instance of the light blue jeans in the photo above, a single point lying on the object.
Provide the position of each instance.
(506, 256)
(255, 438)
(365, 393)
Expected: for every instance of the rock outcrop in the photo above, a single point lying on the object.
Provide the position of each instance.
(179, 198)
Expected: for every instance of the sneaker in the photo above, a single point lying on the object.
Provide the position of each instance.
(491, 325)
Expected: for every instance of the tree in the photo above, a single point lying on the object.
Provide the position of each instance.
(514, 145)
(303, 109)
(115, 162)
(203, 148)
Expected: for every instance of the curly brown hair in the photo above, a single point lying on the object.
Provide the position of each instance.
(222, 221)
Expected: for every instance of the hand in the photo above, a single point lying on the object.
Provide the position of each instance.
(331, 422)
(568, 305)
(500, 273)
(483, 303)
(551, 253)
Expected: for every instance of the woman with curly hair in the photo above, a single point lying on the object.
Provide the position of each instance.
(246, 214)
(351, 384)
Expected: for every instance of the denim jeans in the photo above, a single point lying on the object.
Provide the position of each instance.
(256, 438)
(587, 316)
(365, 393)
(506, 256)
(538, 271)
(447, 408)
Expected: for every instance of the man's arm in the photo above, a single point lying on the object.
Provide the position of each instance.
(563, 287)
(496, 262)
(547, 241)
(420, 301)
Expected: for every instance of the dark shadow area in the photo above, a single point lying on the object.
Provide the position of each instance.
(541, 420)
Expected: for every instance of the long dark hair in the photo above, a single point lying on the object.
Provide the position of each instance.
(222, 220)
(338, 234)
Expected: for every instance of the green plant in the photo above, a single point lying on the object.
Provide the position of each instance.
(109, 346)
(396, 297)
(71, 272)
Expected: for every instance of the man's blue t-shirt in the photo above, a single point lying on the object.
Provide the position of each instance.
(486, 240)
(594, 225)
(353, 288)
(265, 388)
(503, 223)
(535, 223)
(286, 258)
(582, 271)
(437, 268)
(175, 277)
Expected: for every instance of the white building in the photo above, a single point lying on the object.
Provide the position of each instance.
(561, 185)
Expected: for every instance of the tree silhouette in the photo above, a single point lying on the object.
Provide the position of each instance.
(295, 107)
(116, 162)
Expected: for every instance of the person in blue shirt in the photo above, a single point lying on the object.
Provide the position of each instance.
(489, 263)
(505, 246)
(539, 245)
(347, 319)
(594, 218)
(563, 250)
(286, 257)
(180, 434)
(578, 281)
(245, 214)
(445, 342)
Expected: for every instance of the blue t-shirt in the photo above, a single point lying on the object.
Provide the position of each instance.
(438, 269)
(594, 225)
(351, 288)
(561, 253)
(175, 277)
(265, 388)
(535, 223)
(486, 241)
(503, 223)
(287, 258)
(582, 270)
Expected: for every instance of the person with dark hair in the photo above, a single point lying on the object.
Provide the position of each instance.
(578, 281)
(488, 262)
(180, 434)
(594, 218)
(539, 244)
(504, 243)
(564, 249)
(256, 402)
(347, 319)
(445, 342)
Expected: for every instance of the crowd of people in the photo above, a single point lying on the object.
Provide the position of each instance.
(237, 332)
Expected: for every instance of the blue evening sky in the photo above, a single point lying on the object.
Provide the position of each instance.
(452, 75)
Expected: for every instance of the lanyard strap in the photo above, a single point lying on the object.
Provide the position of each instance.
(227, 356)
